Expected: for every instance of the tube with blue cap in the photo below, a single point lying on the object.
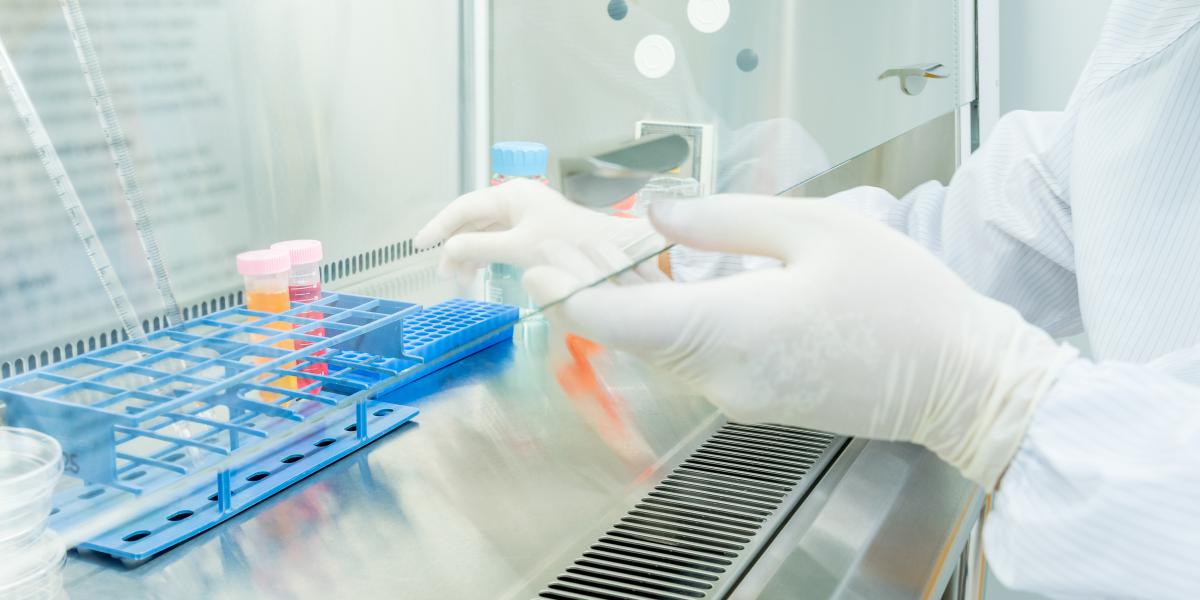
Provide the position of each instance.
(513, 160)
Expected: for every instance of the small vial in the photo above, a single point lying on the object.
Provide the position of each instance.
(304, 278)
(265, 273)
(513, 160)
(304, 287)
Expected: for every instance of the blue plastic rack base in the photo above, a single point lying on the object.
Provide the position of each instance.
(216, 414)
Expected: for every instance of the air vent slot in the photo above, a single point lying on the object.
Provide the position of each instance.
(331, 271)
(706, 521)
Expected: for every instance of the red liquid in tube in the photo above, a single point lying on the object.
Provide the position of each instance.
(304, 286)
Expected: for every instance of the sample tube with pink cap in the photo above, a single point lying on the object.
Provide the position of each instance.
(304, 282)
(304, 285)
(266, 275)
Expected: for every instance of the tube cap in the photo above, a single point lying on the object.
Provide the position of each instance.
(263, 262)
(302, 252)
(519, 159)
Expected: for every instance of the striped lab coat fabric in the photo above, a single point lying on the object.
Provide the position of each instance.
(1089, 220)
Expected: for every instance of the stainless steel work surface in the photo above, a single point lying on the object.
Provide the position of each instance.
(498, 474)
(504, 478)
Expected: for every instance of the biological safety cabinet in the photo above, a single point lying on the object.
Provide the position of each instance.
(397, 435)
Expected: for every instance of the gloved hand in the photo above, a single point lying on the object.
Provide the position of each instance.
(860, 332)
(506, 224)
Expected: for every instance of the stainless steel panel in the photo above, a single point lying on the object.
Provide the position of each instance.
(923, 154)
(888, 520)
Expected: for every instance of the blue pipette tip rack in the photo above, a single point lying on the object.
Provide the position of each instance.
(214, 415)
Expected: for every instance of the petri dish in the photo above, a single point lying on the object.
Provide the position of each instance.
(30, 466)
(34, 570)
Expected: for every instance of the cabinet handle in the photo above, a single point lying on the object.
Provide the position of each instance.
(913, 77)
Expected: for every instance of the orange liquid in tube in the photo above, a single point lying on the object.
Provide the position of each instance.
(272, 302)
(266, 276)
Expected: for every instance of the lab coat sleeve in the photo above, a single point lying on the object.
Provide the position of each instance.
(1002, 223)
(1103, 496)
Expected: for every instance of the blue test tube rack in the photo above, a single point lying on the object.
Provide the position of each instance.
(234, 397)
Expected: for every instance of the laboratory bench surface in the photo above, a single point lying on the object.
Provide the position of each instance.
(503, 480)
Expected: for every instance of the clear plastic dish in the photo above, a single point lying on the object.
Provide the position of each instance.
(33, 572)
(30, 466)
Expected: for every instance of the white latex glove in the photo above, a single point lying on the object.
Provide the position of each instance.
(860, 332)
(507, 223)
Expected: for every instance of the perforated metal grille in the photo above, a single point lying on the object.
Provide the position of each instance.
(698, 529)
(331, 271)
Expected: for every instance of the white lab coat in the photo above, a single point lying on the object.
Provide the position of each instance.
(1089, 220)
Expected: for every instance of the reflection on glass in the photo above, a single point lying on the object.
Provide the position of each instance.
(582, 379)
(791, 87)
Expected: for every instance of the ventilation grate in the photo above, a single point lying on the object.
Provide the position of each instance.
(331, 271)
(334, 270)
(696, 532)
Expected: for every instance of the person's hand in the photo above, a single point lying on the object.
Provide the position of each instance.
(507, 223)
(860, 332)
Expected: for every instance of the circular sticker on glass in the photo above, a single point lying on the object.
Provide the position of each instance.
(708, 16)
(654, 56)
